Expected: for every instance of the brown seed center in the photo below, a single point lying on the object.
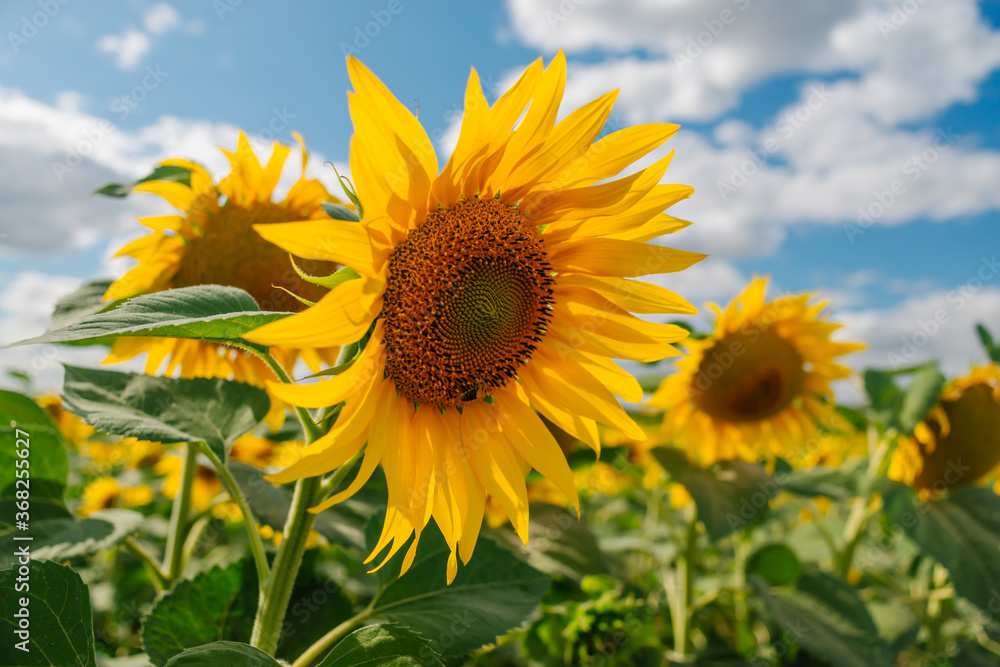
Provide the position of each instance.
(229, 252)
(468, 297)
(748, 376)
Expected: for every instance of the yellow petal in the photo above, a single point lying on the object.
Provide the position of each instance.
(331, 392)
(342, 241)
(526, 432)
(341, 317)
(612, 257)
(632, 295)
(494, 464)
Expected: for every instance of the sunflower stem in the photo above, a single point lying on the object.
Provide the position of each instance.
(277, 590)
(173, 563)
(249, 520)
(862, 510)
(744, 637)
(682, 593)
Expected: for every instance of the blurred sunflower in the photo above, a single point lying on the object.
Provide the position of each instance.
(959, 440)
(204, 488)
(105, 492)
(128, 452)
(498, 285)
(72, 427)
(264, 452)
(759, 385)
(211, 242)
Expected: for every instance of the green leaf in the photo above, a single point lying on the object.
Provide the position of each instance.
(960, 530)
(61, 623)
(559, 544)
(63, 539)
(491, 595)
(821, 481)
(209, 410)
(920, 397)
(216, 604)
(339, 211)
(161, 173)
(382, 645)
(344, 523)
(88, 299)
(776, 564)
(987, 340)
(824, 615)
(211, 313)
(729, 494)
(219, 654)
(47, 461)
(884, 397)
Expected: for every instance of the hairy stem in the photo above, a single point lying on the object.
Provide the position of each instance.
(173, 563)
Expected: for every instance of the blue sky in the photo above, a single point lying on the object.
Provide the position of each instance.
(873, 83)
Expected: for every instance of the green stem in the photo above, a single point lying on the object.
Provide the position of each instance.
(331, 638)
(249, 520)
(744, 637)
(278, 590)
(861, 512)
(683, 589)
(935, 610)
(158, 576)
(176, 532)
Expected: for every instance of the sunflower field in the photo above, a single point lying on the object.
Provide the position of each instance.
(450, 418)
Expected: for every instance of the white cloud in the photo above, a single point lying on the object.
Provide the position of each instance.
(128, 48)
(937, 325)
(825, 158)
(161, 18)
(25, 307)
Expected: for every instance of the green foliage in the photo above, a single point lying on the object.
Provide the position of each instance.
(776, 564)
(601, 624)
(891, 407)
(823, 614)
(215, 412)
(60, 628)
(992, 351)
(47, 465)
(87, 300)
(559, 544)
(66, 539)
(491, 595)
(961, 531)
(210, 313)
(162, 172)
(729, 495)
(216, 654)
(344, 523)
(215, 605)
(383, 645)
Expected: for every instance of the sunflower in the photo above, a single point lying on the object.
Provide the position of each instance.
(959, 440)
(211, 242)
(104, 492)
(499, 287)
(72, 427)
(204, 488)
(759, 385)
